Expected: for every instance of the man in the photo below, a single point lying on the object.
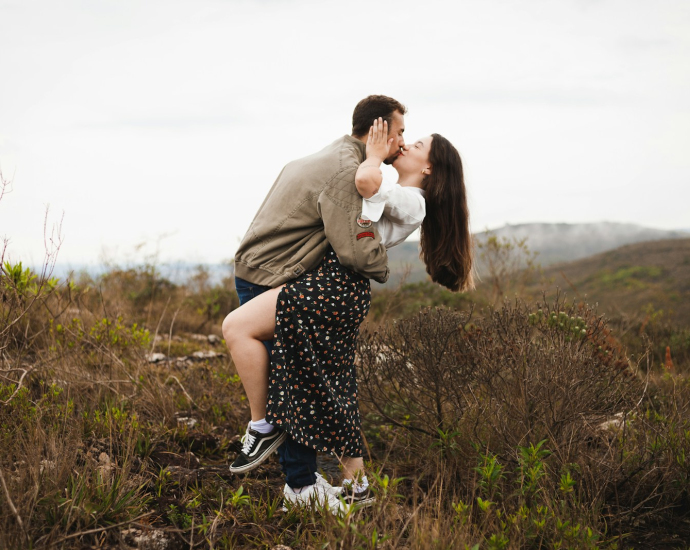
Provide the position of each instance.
(313, 204)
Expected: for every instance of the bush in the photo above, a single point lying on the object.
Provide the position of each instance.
(533, 419)
(551, 372)
(408, 299)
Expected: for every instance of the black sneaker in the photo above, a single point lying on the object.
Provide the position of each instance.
(257, 448)
(360, 499)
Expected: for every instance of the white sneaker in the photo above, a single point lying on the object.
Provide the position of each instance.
(320, 480)
(321, 496)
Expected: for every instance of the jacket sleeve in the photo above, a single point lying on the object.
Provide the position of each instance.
(358, 248)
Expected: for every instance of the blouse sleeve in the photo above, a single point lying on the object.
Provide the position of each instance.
(397, 211)
(392, 234)
(405, 205)
(372, 208)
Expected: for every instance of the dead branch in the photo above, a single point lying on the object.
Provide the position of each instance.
(11, 505)
(176, 379)
(100, 529)
(19, 384)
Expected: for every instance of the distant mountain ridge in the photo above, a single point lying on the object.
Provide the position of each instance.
(564, 242)
(554, 243)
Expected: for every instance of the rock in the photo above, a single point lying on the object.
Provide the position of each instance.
(156, 357)
(187, 421)
(105, 466)
(183, 361)
(612, 424)
(281, 547)
(46, 466)
(98, 446)
(201, 355)
(149, 539)
(211, 338)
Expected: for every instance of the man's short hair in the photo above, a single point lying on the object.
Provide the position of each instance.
(373, 107)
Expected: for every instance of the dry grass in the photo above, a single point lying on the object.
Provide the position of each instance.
(483, 432)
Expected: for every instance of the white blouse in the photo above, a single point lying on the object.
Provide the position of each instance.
(402, 208)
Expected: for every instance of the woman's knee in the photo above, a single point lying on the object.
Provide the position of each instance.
(238, 326)
(230, 328)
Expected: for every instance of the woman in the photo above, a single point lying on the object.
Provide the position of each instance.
(312, 393)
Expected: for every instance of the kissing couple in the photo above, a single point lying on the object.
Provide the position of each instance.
(302, 275)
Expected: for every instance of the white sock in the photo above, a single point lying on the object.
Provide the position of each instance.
(359, 486)
(261, 426)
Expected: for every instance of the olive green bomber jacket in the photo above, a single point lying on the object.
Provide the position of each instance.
(313, 202)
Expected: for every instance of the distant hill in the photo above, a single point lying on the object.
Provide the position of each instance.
(649, 276)
(565, 242)
(555, 242)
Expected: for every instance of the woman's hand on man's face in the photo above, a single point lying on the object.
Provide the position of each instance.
(378, 143)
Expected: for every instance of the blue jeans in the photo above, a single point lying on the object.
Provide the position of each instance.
(297, 461)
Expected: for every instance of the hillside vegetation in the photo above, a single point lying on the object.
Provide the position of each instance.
(524, 426)
(551, 242)
(490, 423)
(637, 279)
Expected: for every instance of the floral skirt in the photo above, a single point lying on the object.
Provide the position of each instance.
(312, 387)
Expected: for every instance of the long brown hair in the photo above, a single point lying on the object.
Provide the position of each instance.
(446, 241)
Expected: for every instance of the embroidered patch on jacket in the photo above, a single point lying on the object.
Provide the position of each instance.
(365, 234)
(363, 222)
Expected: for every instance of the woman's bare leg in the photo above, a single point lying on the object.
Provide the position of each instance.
(352, 467)
(244, 331)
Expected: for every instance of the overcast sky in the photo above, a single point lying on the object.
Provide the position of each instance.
(165, 123)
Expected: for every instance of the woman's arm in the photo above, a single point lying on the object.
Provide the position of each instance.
(369, 176)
